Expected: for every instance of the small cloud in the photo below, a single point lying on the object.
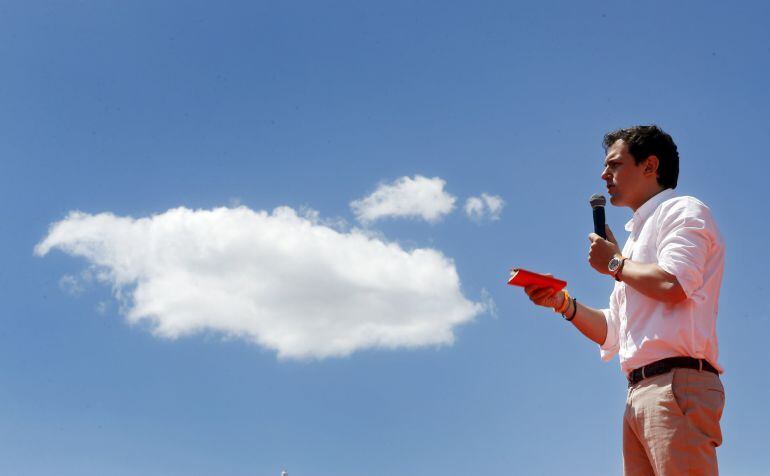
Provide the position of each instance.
(488, 303)
(102, 307)
(76, 285)
(70, 285)
(406, 197)
(485, 207)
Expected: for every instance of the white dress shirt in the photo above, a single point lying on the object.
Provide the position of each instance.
(680, 235)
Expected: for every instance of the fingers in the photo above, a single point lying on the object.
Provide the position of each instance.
(530, 289)
(535, 290)
(542, 293)
(542, 296)
(593, 237)
(610, 235)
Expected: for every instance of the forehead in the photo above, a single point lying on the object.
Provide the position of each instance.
(617, 152)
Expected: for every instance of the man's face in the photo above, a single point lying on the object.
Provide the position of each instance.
(624, 179)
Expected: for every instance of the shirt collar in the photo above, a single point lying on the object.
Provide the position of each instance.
(643, 213)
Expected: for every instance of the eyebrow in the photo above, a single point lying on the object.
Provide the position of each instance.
(612, 161)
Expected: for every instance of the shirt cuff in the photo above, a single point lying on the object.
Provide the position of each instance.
(609, 348)
(686, 280)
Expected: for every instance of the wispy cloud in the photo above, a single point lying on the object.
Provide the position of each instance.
(70, 284)
(489, 303)
(284, 281)
(417, 197)
(76, 285)
(485, 207)
(102, 307)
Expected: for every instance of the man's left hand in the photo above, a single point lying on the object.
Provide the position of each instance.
(602, 251)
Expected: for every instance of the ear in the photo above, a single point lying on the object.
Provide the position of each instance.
(651, 165)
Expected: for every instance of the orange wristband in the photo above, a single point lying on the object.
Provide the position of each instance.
(563, 308)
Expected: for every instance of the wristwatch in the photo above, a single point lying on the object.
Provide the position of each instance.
(615, 265)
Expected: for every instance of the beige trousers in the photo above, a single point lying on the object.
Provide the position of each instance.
(671, 424)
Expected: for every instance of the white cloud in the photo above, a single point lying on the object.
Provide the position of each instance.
(489, 303)
(417, 197)
(281, 280)
(76, 285)
(484, 207)
(71, 285)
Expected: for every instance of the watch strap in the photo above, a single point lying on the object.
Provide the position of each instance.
(620, 267)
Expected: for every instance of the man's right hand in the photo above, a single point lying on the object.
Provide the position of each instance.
(589, 321)
(545, 296)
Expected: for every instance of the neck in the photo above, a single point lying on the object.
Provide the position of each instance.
(648, 196)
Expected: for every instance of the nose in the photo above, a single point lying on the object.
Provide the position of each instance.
(606, 174)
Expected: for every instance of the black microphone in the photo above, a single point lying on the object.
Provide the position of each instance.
(597, 203)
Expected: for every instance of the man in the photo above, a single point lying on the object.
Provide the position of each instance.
(661, 319)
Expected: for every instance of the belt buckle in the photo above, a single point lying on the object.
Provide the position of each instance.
(634, 376)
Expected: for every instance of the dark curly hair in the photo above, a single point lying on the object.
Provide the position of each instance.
(644, 141)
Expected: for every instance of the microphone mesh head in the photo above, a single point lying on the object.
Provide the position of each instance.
(597, 200)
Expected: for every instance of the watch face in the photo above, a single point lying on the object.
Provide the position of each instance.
(614, 263)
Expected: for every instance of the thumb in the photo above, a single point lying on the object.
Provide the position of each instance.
(610, 235)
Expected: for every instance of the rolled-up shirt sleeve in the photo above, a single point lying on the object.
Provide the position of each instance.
(611, 344)
(686, 240)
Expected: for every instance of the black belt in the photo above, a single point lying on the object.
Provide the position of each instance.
(666, 365)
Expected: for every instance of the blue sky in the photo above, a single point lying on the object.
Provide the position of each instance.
(137, 108)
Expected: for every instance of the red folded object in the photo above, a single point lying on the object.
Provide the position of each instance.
(522, 277)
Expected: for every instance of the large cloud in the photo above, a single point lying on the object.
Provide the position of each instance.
(284, 281)
(417, 197)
